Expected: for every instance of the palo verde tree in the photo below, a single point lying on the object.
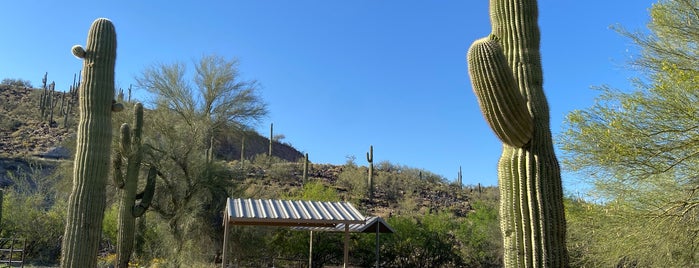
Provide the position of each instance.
(506, 75)
(193, 186)
(640, 148)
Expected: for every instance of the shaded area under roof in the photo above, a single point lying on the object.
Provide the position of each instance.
(270, 212)
(369, 226)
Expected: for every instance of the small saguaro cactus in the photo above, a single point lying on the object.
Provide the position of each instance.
(506, 74)
(1, 198)
(370, 180)
(93, 147)
(131, 149)
(44, 96)
(460, 179)
(305, 169)
(271, 138)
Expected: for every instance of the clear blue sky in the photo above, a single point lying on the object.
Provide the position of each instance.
(342, 75)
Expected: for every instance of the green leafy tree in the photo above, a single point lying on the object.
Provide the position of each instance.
(186, 123)
(425, 241)
(640, 148)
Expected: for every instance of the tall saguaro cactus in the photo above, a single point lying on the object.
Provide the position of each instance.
(506, 75)
(94, 138)
(132, 150)
(370, 179)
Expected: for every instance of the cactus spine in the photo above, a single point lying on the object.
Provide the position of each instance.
(132, 150)
(370, 180)
(92, 157)
(506, 75)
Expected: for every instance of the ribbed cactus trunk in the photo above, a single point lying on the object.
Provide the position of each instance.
(132, 150)
(506, 74)
(92, 157)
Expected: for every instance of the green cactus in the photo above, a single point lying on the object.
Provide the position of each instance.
(506, 75)
(370, 180)
(305, 169)
(242, 152)
(132, 150)
(44, 96)
(93, 149)
(1, 198)
(460, 178)
(271, 136)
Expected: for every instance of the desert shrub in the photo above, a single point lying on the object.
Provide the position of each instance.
(426, 241)
(28, 215)
(391, 184)
(480, 236)
(354, 180)
(16, 82)
(314, 191)
(265, 161)
(283, 172)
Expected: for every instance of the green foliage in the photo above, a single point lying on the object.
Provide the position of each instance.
(186, 125)
(427, 241)
(110, 223)
(506, 74)
(314, 191)
(353, 179)
(32, 210)
(638, 149)
(480, 236)
(16, 82)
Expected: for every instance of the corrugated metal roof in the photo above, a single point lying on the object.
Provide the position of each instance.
(369, 226)
(290, 213)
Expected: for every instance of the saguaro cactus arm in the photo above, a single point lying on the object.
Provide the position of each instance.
(503, 106)
(147, 195)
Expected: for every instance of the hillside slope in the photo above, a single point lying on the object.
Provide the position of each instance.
(23, 132)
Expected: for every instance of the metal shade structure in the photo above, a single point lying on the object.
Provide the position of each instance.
(372, 224)
(270, 212)
(368, 226)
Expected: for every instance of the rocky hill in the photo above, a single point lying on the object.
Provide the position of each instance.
(24, 132)
(27, 137)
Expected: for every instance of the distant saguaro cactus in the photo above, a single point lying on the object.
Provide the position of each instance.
(506, 75)
(271, 138)
(132, 150)
(1, 198)
(370, 180)
(459, 179)
(93, 147)
(305, 169)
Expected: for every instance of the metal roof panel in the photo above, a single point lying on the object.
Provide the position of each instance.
(290, 213)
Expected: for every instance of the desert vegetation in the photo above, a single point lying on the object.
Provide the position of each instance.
(168, 166)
